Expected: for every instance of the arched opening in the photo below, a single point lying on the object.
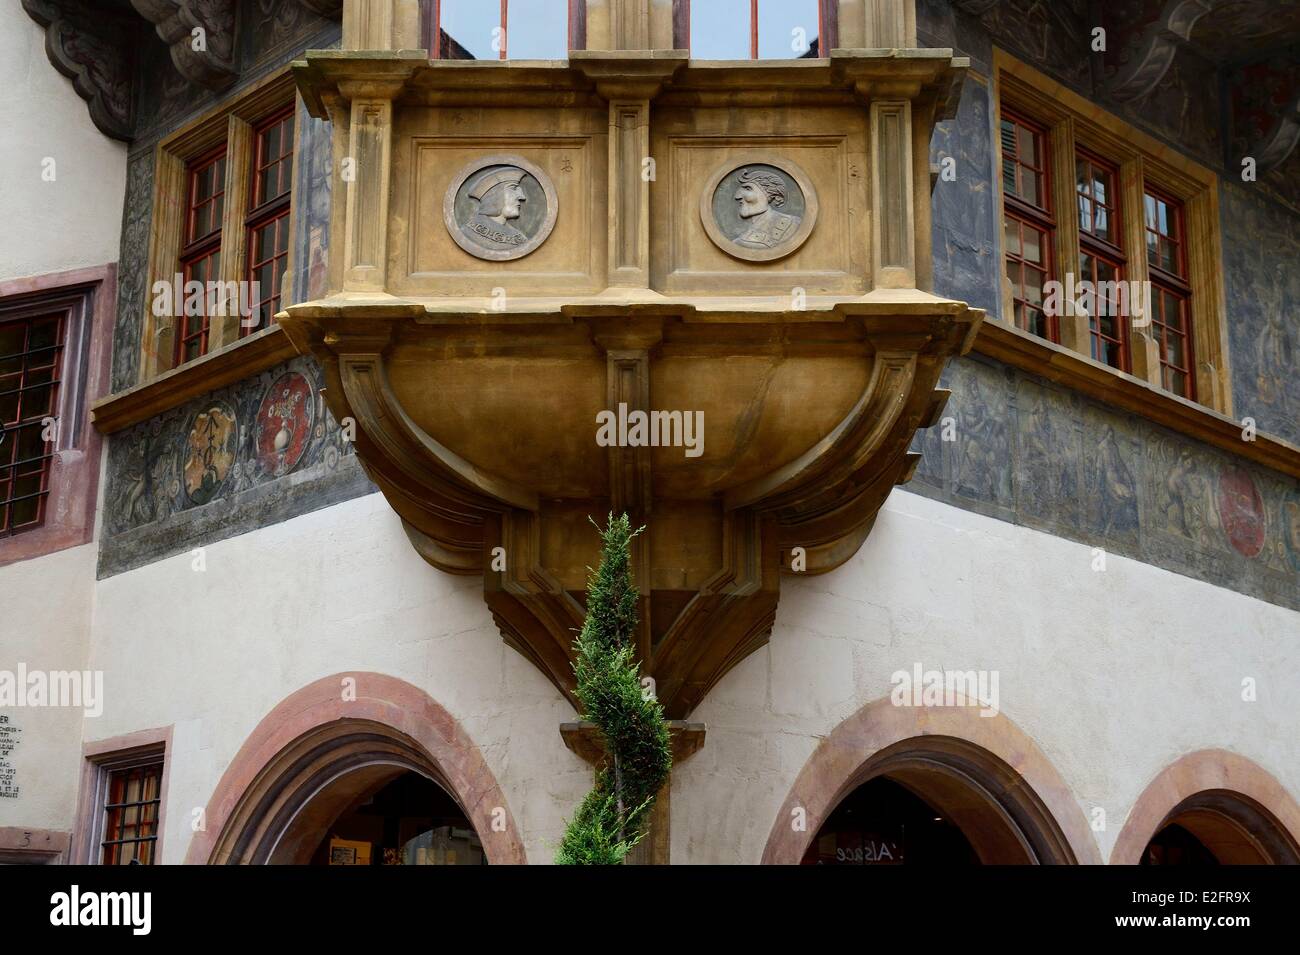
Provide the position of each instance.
(937, 800)
(406, 820)
(382, 770)
(1211, 807)
(351, 790)
(1217, 827)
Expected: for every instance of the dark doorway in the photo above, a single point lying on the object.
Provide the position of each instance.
(884, 823)
(409, 821)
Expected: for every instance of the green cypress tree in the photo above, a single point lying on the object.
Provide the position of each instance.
(612, 817)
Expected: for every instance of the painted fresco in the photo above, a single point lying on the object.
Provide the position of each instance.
(266, 446)
(1261, 246)
(132, 268)
(1030, 452)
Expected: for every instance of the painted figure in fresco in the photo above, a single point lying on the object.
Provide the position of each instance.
(760, 194)
(1291, 530)
(1113, 486)
(1183, 494)
(500, 197)
(1274, 357)
(977, 467)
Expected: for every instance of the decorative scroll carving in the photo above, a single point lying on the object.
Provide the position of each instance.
(92, 48)
(1151, 52)
(213, 64)
(1260, 129)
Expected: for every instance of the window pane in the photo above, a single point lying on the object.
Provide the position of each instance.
(1028, 145)
(1011, 231)
(1029, 185)
(474, 25)
(1174, 351)
(1033, 248)
(1149, 207)
(536, 29)
(786, 28)
(1101, 224)
(720, 30)
(1099, 187)
(1085, 213)
(1008, 139)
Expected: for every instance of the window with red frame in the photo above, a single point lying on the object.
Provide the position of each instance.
(755, 29)
(1027, 222)
(504, 29)
(131, 811)
(1170, 292)
(31, 352)
(268, 218)
(201, 250)
(1101, 259)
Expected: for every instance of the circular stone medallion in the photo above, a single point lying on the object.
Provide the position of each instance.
(284, 423)
(210, 451)
(759, 210)
(500, 207)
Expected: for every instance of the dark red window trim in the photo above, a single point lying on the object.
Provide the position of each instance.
(44, 362)
(1037, 217)
(1105, 250)
(1174, 284)
(274, 210)
(197, 251)
(132, 823)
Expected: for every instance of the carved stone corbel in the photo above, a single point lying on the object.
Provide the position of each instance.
(206, 58)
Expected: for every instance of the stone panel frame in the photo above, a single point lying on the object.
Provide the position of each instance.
(1073, 122)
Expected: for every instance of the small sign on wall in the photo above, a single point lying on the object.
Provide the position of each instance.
(349, 852)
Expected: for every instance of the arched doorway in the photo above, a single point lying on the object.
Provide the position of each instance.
(1217, 827)
(937, 800)
(1211, 807)
(938, 785)
(407, 820)
(326, 771)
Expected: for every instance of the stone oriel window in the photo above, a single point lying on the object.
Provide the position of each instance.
(1131, 217)
(756, 29)
(31, 353)
(222, 214)
(503, 29)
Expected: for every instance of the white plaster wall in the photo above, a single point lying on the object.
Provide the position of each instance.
(45, 611)
(339, 589)
(76, 220)
(1114, 675)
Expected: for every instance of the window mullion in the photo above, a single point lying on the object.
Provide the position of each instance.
(232, 265)
(1072, 329)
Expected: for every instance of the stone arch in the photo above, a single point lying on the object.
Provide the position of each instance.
(1233, 806)
(983, 771)
(315, 751)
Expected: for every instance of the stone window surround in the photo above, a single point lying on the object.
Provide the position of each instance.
(232, 122)
(1074, 124)
(85, 297)
(99, 759)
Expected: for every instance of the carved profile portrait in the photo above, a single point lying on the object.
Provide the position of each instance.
(760, 210)
(500, 208)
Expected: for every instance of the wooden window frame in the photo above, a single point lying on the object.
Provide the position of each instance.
(1040, 218)
(100, 759)
(264, 212)
(231, 125)
(432, 33)
(827, 26)
(1103, 249)
(198, 248)
(11, 472)
(1078, 126)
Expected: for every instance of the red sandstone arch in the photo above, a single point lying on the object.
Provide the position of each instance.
(1236, 808)
(313, 738)
(968, 765)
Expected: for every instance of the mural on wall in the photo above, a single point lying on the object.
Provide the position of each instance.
(1029, 452)
(1261, 246)
(966, 259)
(132, 268)
(260, 450)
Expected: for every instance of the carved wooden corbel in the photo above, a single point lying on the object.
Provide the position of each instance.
(93, 49)
(206, 57)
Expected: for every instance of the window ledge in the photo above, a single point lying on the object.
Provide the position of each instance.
(1117, 389)
(236, 361)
